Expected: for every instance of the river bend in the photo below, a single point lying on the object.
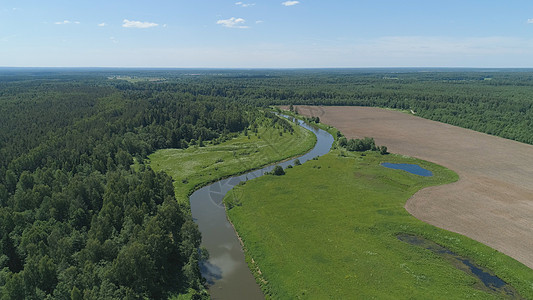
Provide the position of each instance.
(226, 270)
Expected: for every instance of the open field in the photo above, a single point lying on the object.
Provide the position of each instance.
(493, 200)
(328, 230)
(196, 166)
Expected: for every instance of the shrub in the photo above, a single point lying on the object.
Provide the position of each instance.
(383, 150)
(343, 142)
(278, 171)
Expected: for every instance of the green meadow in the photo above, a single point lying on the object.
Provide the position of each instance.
(328, 230)
(197, 166)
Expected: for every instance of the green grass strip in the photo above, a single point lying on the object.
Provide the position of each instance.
(196, 166)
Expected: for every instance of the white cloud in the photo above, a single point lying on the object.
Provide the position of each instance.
(259, 21)
(102, 24)
(290, 3)
(530, 21)
(65, 22)
(242, 4)
(233, 23)
(113, 39)
(137, 24)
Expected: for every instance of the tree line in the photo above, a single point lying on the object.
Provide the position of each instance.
(496, 102)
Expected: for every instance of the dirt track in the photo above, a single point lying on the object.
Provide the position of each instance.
(493, 200)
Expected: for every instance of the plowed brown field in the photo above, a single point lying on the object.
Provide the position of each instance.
(493, 200)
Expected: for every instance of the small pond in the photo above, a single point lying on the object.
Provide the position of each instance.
(411, 168)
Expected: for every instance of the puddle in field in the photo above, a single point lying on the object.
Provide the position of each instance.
(488, 281)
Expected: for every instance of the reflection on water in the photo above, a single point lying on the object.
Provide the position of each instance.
(210, 272)
(488, 281)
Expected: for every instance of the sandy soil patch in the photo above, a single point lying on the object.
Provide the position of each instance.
(493, 200)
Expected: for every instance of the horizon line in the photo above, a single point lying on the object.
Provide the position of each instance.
(264, 68)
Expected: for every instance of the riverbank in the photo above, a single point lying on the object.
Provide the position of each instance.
(328, 229)
(226, 270)
(195, 167)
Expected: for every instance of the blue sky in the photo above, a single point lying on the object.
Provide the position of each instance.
(266, 33)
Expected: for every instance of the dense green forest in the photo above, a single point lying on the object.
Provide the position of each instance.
(77, 222)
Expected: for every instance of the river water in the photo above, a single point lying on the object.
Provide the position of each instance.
(226, 270)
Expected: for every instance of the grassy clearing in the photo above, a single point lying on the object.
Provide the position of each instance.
(327, 230)
(196, 166)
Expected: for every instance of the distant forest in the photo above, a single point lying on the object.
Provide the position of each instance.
(78, 222)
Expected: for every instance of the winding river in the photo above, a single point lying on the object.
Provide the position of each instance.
(226, 270)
